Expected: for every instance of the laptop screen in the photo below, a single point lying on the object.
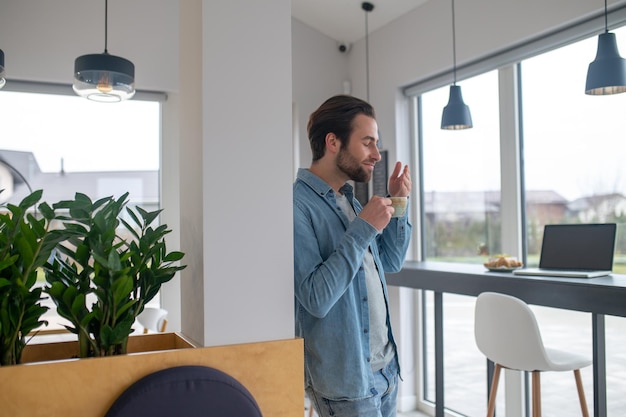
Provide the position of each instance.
(585, 247)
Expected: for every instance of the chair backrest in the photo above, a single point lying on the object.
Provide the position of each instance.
(153, 319)
(506, 332)
(186, 391)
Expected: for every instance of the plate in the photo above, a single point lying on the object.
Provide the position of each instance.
(502, 269)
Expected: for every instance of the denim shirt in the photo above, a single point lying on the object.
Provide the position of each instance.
(331, 304)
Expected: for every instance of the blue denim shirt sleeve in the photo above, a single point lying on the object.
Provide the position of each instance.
(329, 281)
(325, 272)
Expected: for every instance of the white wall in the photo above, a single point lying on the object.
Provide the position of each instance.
(319, 71)
(247, 167)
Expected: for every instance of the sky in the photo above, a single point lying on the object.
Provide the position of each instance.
(81, 134)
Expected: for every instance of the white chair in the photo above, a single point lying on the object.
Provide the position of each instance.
(153, 319)
(507, 333)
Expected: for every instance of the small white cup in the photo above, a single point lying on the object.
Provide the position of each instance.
(399, 205)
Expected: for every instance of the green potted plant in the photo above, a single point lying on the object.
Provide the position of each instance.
(106, 269)
(25, 245)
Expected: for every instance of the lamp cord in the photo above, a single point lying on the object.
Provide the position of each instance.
(606, 18)
(454, 45)
(106, 24)
(367, 59)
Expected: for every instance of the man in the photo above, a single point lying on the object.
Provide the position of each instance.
(341, 252)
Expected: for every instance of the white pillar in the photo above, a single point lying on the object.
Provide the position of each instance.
(236, 171)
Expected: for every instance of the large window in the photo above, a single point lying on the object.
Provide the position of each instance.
(65, 144)
(574, 173)
(571, 169)
(462, 175)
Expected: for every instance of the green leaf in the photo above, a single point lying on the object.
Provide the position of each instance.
(31, 199)
(123, 329)
(55, 290)
(121, 288)
(47, 211)
(69, 295)
(130, 228)
(149, 217)
(5, 263)
(174, 256)
(133, 216)
(125, 307)
(114, 261)
(106, 337)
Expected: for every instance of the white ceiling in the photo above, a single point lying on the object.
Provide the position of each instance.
(344, 20)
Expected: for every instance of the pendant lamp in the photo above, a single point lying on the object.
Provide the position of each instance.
(607, 73)
(103, 77)
(2, 79)
(456, 114)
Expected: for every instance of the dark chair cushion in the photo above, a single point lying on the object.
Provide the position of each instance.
(186, 391)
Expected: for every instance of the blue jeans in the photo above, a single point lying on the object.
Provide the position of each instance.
(382, 404)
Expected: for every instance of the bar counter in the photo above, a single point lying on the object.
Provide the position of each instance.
(599, 296)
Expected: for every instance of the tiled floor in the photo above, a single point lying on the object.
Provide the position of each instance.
(409, 414)
(307, 412)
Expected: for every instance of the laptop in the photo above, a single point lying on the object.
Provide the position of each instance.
(575, 250)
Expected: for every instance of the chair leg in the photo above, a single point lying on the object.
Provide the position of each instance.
(581, 393)
(491, 408)
(311, 408)
(536, 388)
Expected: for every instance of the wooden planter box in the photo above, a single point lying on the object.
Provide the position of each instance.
(272, 372)
(41, 352)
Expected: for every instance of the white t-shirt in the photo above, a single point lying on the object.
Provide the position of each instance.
(380, 348)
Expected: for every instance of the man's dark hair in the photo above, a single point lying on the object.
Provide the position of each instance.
(335, 115)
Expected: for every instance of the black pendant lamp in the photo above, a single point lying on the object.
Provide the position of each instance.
(2, 79)
(607, 73)
(456, 115)
(103, 77)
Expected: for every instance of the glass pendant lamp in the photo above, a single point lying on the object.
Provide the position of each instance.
(104, 77)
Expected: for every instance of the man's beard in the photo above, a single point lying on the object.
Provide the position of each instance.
(351, 167)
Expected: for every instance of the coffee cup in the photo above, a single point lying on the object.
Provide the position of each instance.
(399, 205)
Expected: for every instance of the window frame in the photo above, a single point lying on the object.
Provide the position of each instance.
(30, 87)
